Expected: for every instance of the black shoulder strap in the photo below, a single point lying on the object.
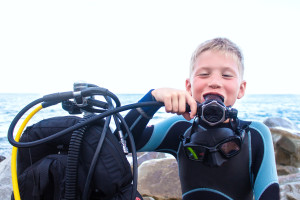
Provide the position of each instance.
(42, 180)
(41, 177)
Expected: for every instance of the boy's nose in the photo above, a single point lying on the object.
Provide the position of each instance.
(215, 83)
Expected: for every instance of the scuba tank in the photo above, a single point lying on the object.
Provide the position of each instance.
(72, 157)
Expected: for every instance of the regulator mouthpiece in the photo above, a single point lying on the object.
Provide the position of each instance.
(213, 110)
(214, 97)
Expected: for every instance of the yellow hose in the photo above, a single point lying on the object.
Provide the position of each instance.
(14, 176)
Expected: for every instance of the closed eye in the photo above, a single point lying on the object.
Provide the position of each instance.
(203, 74)
(227, 75)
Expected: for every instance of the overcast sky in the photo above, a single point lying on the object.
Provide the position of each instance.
(132, 46)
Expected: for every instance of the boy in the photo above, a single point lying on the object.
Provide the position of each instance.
(249, 169)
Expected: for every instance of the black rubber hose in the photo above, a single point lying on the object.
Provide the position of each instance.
(18, 117)
(134, 156)
(100, 91)
(76, 126)
(95, 159)
(72, 161)
(97, 103)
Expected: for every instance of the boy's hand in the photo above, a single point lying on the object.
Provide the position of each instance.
(175, 101)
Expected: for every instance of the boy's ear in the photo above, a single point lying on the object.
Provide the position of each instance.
(188, 86)
(242, 89)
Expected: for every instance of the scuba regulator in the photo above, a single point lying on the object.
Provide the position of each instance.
(213, 111)
(87, 106)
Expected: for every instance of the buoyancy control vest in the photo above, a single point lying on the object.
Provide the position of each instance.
(71, 157)
(42, 170)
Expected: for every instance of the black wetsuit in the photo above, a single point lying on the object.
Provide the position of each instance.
(251, 173)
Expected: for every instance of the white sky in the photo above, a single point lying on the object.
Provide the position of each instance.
(132, 46)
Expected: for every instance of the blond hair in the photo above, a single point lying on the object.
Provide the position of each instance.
(221, 45)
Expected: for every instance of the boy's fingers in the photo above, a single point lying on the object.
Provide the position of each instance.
(175, 103)
(168, 104)
(175, 100)
(193, 106)
(186, 116)
(182, 104)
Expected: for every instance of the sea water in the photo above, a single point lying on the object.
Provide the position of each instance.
(251, 107)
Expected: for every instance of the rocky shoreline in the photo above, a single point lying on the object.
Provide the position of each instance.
(158, 173)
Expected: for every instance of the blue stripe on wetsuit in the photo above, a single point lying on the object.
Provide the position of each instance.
(208, 190)
(159, 133)
(267, 166)
(250, 159)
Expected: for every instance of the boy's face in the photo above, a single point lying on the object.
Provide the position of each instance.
(216, 73)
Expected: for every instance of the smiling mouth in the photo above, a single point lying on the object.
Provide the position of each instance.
(213, 97)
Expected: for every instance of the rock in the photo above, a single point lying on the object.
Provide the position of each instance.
(144, 156)
(279, 122)
(289, 186)
(290, 178)
(285, 170)
(290, 191)
(148, 198)
(5, 179)
(282, 127)
(286, 140)
(287, 151)
(159, 179)
(290, 133)
(149, 155)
